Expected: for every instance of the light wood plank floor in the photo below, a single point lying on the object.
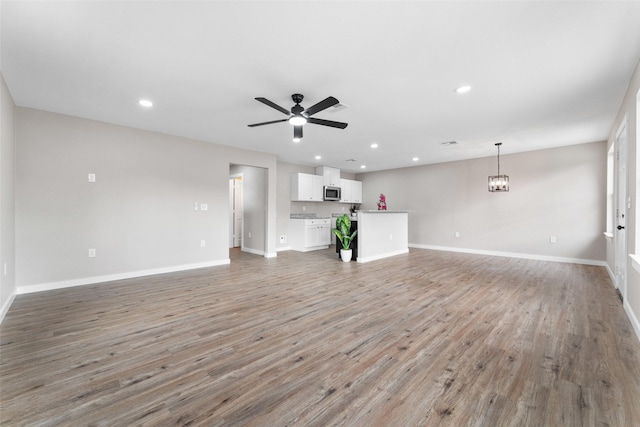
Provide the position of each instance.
(427, 338)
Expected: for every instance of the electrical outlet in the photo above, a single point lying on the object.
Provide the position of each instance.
(283, 239)
(552, 239)
(249, 234)
(457, 234)
(390, 236)
(92, 253)
(204, 207)
(92, 177)
(203, 243)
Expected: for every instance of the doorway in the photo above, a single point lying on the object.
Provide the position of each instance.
(621, 210)
(236, 211)
(249, 208)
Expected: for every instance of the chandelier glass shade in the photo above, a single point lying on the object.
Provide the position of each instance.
(498, 182)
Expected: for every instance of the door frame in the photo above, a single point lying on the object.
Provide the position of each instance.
(621, 206)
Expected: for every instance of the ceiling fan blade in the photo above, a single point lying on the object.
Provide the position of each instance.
(322, 105)
(267, 123)
(333, 124)
(272, 105)
(297, 132)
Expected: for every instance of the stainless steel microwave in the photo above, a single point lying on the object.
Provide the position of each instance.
(332, 193)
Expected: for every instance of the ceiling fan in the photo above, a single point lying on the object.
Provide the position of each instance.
(298, 116)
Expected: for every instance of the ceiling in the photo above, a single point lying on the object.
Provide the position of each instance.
(543, 73)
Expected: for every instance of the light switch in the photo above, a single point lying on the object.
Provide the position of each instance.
(92, 253)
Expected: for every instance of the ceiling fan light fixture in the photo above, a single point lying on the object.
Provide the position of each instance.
(297, 120)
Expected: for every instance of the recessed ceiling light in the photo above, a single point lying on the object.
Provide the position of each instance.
(374, 145)
(415, 159)
(463, 89)
(145, 103)
(318, 157)
(363, 166)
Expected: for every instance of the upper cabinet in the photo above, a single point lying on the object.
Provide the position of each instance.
(356, 191)
(351, 191)
(306, 187)
(331, 175)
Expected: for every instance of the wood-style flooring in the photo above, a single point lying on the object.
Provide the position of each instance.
(423, 339)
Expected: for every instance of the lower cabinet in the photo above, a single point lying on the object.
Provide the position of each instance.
(310, 234)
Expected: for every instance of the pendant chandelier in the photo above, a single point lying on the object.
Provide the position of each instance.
(498, 182)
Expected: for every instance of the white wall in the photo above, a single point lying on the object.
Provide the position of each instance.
(7, 198)
(557, 192)
(139, 213)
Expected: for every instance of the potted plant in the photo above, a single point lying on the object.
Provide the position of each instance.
(343, 233)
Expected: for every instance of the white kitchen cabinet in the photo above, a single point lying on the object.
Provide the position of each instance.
(310, 234)
(331, 176)
(351, 191)
(345, 194)
(306, 187)
(356, 191)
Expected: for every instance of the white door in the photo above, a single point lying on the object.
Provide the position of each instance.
(238, 213)
(231, 209)
(621, 210)
(235, 212)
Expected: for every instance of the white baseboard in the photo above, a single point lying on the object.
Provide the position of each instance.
(611, 275)
(309, 249)
(271, 254)
(6, 306)
(632, 318)
(111, 277)
(381, 256)
(284, 248)
(512, 255)
(252, 251)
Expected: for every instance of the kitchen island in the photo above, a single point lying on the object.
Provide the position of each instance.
(382, 234)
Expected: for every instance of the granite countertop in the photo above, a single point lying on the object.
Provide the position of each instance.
(307, 216)
(387, 211)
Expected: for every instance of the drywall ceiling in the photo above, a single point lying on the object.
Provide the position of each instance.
(543, 73)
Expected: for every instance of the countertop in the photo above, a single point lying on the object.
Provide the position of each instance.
(388, 211)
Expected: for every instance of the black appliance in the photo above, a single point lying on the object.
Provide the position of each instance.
(332, 193)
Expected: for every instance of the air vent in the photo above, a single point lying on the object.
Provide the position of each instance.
(449, 143)
(351, 160)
